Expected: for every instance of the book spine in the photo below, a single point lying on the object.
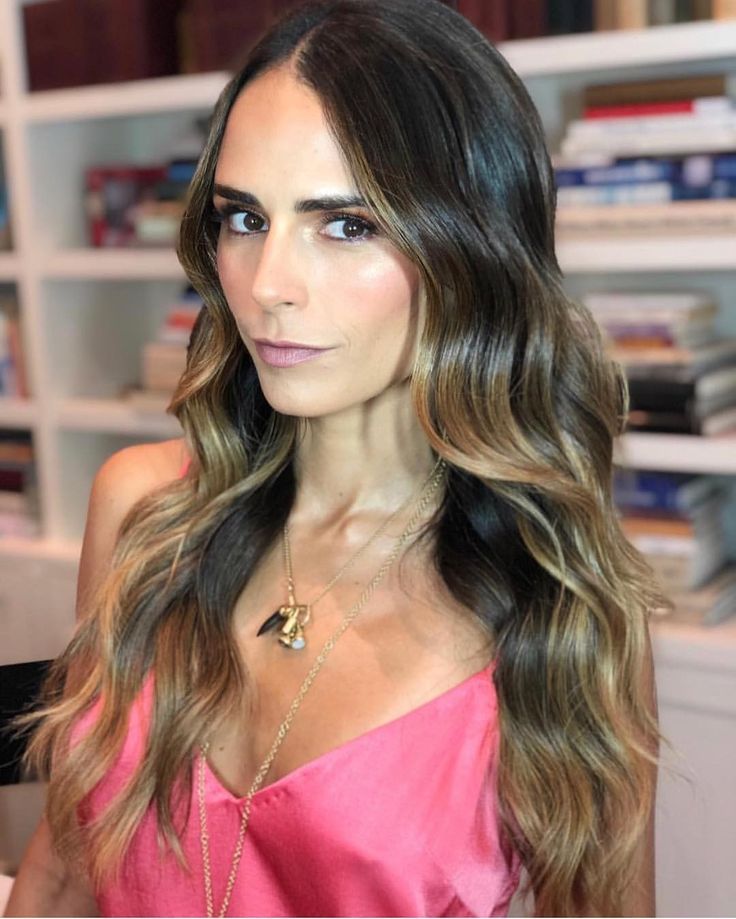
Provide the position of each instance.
(661, 12)
(724, 9)
(646, 192)
(666, 305)
(604, 15)
(670, 217)
(691, 87)
(695, 169)
(631, 14)
(527, 18)
(703, 105)
(715, 139)
(17, 358)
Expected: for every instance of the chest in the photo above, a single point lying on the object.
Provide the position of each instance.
(408, 644)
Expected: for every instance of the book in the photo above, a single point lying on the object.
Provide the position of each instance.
(724, 9)
(661, 12)
(526, 18)
(691, 169)
(644, 193)
(716, 390)
(713, 602)
(687, 363)
(652, 492)
(683, 139)
(654, 90)
(604, 15)
(162, 365)
(705, 105)
(684, 551)
(654, 304)
(631, 14)
(636, 335)
(669, 218)
(688, 422)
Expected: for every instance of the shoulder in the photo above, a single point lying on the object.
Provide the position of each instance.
(141, 467)
(132, 473)
(121, 481)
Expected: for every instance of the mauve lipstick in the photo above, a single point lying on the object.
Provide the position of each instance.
(285, 353)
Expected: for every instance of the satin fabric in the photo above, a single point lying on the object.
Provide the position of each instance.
(400, 821)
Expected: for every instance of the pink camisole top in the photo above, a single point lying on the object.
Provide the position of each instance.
(400, 821)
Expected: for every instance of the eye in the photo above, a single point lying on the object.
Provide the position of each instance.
(353, 228)
(238, 222)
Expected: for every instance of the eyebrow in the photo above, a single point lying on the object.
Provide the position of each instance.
(302, 206)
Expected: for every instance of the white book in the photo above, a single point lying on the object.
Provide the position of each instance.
(645, 303)
(635, 143)
(713, 112)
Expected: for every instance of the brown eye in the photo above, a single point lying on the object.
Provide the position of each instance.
(351, 228)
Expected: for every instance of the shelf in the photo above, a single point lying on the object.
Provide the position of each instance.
(134, 97)
(8, 266)
(112, 416)
(601, 254)
(594, 52)
(114, 264)
(17, 413)
(57, 549)
(679, 453)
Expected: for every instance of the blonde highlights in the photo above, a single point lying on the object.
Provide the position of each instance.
(512, 388)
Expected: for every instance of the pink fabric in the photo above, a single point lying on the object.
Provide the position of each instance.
(400, 821)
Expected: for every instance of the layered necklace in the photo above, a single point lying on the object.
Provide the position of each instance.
(294, 617)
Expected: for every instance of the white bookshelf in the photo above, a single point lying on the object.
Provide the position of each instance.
(85, 313)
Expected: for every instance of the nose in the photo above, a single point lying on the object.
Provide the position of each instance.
(279, 277)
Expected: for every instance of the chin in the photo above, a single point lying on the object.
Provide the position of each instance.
(303, 404)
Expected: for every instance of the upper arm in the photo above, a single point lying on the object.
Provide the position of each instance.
(46, 886)
(122, 480)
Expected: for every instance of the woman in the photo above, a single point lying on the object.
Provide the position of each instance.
(369, 638)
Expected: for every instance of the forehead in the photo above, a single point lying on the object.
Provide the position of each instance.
(277, 138)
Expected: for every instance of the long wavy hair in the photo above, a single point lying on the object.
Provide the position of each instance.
(512, 387)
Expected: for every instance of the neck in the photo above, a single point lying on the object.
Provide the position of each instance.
(364, 461)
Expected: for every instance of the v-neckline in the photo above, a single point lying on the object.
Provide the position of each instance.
(294, 774)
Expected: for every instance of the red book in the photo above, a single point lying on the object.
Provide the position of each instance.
(634, 109)
(527, 18)
(490, 18)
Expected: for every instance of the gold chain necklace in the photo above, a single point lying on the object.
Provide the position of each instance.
(293, 615)
(427, 491)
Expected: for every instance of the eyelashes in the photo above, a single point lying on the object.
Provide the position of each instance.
(223, 216)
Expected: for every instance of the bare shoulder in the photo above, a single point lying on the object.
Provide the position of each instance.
(121, 481)
(142, 467)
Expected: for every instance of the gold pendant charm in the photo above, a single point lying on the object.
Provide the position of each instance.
(292, 635)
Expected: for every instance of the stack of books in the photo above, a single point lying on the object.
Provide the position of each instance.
(18, 493)
(6, 241)
(163, 361)
(681, 373)
(13, 381)
(674, 520)
(654, 155)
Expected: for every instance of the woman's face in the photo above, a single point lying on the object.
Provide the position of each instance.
(297, 268)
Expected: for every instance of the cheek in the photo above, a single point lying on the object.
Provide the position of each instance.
(380, 299)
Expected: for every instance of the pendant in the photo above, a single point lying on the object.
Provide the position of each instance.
(293, 616)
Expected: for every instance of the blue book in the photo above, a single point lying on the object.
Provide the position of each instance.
(664, 492)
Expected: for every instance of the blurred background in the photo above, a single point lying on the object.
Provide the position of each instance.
(104, 107)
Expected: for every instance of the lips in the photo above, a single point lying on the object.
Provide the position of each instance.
(286, 354)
